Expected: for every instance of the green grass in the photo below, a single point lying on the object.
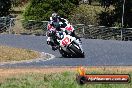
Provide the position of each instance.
(59, 80)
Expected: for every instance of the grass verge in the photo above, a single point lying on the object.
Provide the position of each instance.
(62, 79)
(16, 54)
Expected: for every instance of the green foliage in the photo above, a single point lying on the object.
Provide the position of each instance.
(86, 14)
(42, 9)
(5, 5)
(107, 18)
(17, 3)
(114, 17)
(128, 12)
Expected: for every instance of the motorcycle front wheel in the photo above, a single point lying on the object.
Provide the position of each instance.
(78, 52)
(64, 53)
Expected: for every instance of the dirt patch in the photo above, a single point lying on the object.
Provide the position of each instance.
(16, 54)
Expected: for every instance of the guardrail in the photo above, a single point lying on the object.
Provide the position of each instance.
(103, 32)
(6, 23)
(86, 31)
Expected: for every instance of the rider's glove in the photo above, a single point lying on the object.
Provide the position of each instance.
(54, 48)
(48, 42)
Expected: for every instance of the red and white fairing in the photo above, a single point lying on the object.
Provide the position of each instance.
(66, 40)
(69, 28)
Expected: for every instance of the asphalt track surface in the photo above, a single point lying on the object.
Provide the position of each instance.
(97, 52)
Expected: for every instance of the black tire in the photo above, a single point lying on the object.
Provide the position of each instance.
(78, 52)
(64, 54)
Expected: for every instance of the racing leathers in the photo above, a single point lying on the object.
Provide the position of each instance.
(58, 25)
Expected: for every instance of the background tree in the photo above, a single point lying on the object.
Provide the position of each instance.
(114, 17)
(5, 5)
(86, 14)
(42, 9)
(127, 14)
(17, 3)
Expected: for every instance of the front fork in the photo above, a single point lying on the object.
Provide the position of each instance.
(79, 43)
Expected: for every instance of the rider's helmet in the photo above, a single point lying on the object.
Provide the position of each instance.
(54, 17)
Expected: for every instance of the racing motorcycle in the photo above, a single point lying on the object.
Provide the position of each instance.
(69, 46)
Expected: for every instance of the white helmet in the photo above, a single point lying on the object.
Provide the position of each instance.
(54, 15)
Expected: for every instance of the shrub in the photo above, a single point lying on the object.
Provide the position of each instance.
(42, 9)
(86, 14)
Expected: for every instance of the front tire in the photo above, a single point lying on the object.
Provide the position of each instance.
(64, 53)
(78, 52)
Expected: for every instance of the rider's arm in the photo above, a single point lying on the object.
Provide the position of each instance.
(63, 20)
(51, 21)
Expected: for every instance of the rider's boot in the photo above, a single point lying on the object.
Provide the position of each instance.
(54, 47)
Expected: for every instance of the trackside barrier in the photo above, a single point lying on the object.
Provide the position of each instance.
(85, 31)
(112, 33)
(6, 23)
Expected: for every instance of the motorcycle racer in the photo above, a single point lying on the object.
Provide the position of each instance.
(55, 24)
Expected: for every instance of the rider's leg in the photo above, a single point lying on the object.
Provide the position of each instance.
(74, 35)
(53, 45)
(78, 39)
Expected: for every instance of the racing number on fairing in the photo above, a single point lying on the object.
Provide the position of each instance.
(65, 41)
